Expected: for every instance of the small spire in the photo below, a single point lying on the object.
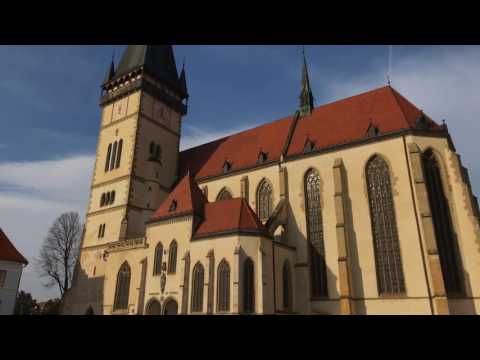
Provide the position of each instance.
(183, 81)
(111, 70)
(306, 95)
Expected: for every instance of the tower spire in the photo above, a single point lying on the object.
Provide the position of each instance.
(111, 70)
(306, 95)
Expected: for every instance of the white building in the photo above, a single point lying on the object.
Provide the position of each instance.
(11, 266)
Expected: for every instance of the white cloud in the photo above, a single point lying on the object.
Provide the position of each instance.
(32, 196)
(441, 81)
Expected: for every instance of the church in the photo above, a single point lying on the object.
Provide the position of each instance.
(357, 207)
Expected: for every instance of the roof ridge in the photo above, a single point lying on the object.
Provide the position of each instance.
(239, 133)
(394, 93)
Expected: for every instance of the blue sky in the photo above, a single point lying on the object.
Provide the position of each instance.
(50, 115)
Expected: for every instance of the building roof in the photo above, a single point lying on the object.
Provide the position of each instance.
(348, 120)
(186, 198)
(241, 150)
(159, 59)
(225, 216)
(8, 252)
(234, 215)
(340, 122)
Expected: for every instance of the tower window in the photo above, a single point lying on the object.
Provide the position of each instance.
(107, 161)
(114, 156)
(102, 200)
(173, 206)
(119, 154)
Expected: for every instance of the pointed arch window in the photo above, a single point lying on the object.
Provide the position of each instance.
(447, 244)
(223, 287)
(316, 247)
(119, 154)
(224, 194)
(248, 287)
(172, 258)
(114, 156)
(264, 200)
(287, 286)
(123, 288)
(107, 161)
(388, 259)
(157, 263)
(197, 288)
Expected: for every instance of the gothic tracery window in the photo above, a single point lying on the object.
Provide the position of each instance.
(157, 263)
(248, 287)
(224, 194)
(223, 287)
(388, 259)
(172, 258)
(197, 288)
(264, 200)
(442, 221)
(123, 288)
(318, 270)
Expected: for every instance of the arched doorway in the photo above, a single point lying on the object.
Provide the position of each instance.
(171, 307)
(153, 308)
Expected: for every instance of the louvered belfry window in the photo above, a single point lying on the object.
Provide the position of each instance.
(223, 287)
(123, 288)
(157, 262)
(264, 200)
(197, 288)
(318, 271)
(248, 287)
(444, 232)
(388, 259)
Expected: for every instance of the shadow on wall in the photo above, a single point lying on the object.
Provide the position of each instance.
(301, 298)
(356, 277)
(85, 296)
(463, 305)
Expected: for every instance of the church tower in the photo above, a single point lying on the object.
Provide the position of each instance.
(143, 101)
(137, 156)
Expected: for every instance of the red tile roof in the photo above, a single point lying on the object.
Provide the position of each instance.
(348, 120)
(337, 123)
(8, 252)
(188, 197)
(241, 150)
(229, 216)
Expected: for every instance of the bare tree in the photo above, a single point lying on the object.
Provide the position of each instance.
(59, 251)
